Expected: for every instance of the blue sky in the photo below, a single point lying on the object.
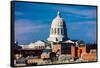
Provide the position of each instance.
(33, 21)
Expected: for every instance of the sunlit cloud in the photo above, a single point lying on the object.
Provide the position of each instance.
(25, 28)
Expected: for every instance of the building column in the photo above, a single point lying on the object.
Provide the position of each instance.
(73, 51)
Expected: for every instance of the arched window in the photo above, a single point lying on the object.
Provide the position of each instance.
(58, 30)
(61, 31)
(51, 30)
(55, 31)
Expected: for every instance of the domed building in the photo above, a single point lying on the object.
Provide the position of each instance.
(58, 31)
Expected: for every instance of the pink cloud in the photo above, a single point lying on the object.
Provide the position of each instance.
(26, 26)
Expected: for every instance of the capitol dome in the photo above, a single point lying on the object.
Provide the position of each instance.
(58, 21)
(58, 30)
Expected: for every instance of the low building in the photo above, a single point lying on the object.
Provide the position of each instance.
(36, 45)
(89, 56)
(76, 51)
(56, 48)
(39, 45)
(20, 62)
(62, 48)
(46, 53)
(34, 61)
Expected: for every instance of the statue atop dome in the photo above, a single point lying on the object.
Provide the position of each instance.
(58, 13)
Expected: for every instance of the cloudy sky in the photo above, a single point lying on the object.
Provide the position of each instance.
(33, 21)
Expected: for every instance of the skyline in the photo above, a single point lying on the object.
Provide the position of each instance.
(31, 18)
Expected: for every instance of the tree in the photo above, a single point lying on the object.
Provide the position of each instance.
(53, 56)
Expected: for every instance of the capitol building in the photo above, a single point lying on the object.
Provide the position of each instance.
(58, 34)
(58, 48)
